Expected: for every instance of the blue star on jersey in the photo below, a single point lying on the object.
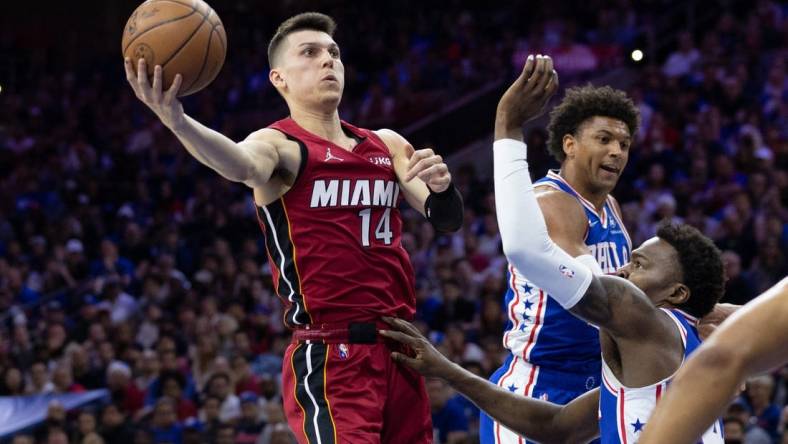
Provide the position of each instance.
(512, 388)
(637, 425)
(527, 288)
(523, 326)
(528, 305)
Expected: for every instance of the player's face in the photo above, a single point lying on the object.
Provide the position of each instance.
(311, 68)
(653, 269)
(601, 150)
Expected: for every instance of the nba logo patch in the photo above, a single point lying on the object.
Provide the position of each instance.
(343, 351)
(566, 271)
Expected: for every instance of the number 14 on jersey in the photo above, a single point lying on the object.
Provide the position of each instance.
(382, 230)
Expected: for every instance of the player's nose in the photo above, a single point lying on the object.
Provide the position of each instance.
(615, 149)
(623, 272)
(328, 61)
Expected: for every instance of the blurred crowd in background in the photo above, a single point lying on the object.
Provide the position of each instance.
(127, 265)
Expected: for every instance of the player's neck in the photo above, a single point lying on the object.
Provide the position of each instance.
(578, 180)
(322, 124)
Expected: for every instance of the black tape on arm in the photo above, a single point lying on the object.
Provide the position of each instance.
(445, 210)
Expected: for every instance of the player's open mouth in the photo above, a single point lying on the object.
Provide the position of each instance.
(610, 169)
(331, 78)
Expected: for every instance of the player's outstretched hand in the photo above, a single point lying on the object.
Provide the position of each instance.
(424, 358)
(527, 96)
(164, 103)
(429, 167)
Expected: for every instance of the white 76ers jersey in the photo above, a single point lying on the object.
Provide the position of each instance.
(624, 411)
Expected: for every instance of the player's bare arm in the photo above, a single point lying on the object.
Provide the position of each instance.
(565, 218)
(425, 181)
(251, 162)
(624, 311)
(752, 340)
(539, 420)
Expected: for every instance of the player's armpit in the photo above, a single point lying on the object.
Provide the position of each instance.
(268, 150)
(567, 223)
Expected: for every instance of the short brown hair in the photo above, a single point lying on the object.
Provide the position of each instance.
(583, 103)
(314, 21)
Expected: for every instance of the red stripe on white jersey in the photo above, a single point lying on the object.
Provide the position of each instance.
(608, 385)
(622, 426)
(515, 301)
(537, 326)
(500, 384)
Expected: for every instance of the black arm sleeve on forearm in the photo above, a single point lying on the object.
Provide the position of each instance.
(445, 210)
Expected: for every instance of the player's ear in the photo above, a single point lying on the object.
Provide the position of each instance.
(276, 78)
(570, 145)
(679, 294)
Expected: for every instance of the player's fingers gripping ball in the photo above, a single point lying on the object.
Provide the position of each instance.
(182, 36)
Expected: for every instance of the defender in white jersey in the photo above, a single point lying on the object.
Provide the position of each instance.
(646, 315)
(553, 354)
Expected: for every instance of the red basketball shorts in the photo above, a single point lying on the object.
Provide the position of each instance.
(353, 393)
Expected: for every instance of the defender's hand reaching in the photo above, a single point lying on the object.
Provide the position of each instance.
(425, 358)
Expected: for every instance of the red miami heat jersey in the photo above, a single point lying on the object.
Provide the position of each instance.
(334, 238)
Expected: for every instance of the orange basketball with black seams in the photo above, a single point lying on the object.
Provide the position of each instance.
(183, 36)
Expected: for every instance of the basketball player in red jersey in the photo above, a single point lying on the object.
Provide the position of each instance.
(327, 195)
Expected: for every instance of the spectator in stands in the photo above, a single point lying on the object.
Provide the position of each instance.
(115, 427)
(759, 397)
(219, 386)
(39, 379)
(13, 382)
(250, 425)
(165, 426)
(122, 388)
(448, 415)
(681, 61)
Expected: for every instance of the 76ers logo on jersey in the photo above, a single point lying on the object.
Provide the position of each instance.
(381, 160)
(343, 351)
(566, 271)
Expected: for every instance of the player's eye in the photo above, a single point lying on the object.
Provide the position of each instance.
(637, 264)
(334, 53)
(605, 140)
(309, 51)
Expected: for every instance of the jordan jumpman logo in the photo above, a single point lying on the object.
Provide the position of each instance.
(330, 156)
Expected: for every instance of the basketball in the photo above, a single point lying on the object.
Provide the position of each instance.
(183, 36)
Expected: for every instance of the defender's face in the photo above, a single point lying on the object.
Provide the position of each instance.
(602, 151)
(311, 68)
(653, 268)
